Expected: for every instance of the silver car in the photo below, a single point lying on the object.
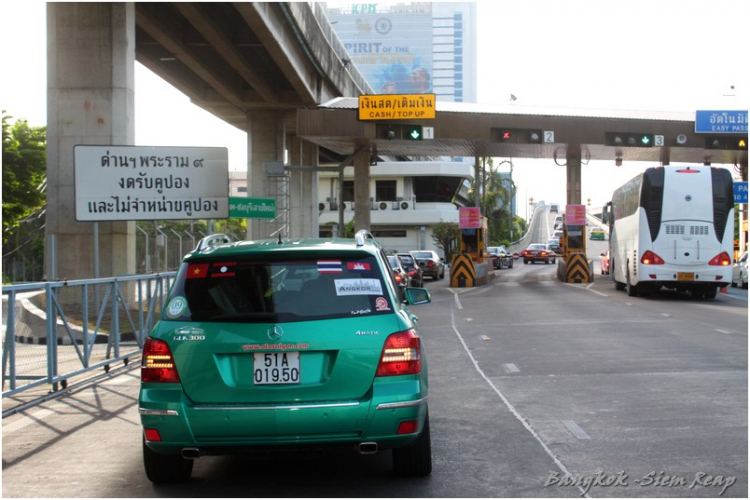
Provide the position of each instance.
(430, 263)
(739, 272)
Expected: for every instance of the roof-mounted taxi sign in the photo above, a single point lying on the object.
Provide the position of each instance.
(397, 107)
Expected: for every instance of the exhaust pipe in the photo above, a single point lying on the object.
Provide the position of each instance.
(190, 453)
(368, 448)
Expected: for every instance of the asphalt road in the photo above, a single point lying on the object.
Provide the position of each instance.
(530, 379)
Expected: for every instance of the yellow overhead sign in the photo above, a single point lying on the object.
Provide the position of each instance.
(397, 107)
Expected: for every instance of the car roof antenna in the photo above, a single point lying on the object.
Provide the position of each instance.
(280, 242)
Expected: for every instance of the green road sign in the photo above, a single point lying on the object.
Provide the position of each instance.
(252, 208)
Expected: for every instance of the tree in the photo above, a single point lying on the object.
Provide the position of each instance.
(446, 235)
(24, 179)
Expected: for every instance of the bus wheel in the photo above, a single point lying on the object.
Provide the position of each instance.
(631, 289)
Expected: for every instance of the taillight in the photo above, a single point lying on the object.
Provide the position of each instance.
(651, 258)
(430, 264)
(157, 364)
(524, 253)
(398, 278)
(723, 259)
(402, 355)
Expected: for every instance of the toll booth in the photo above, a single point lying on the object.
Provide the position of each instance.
(575, 267)
(470, 266)
(474, 241)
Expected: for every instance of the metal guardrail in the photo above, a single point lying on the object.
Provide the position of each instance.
(53, 332)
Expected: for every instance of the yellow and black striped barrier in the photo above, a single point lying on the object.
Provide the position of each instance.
(577, 269)
(462, 272)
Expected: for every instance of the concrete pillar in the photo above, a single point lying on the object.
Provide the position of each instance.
(90, 100)
(303, 202)
(265, 144)
(362, 189)
(573, 158)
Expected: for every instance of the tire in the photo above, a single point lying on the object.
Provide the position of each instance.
(618, 286)
(510, 264)
(525, 261)
(166, 468)
(414, 460)
(631, 289)
(743, 283)
(710, 292)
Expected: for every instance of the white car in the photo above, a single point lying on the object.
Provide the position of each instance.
(739, 272)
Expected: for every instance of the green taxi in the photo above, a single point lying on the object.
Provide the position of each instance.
(596, 233)
(277, 344)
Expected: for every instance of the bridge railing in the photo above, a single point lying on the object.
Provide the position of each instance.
(55, 332)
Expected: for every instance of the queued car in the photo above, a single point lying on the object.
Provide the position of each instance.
(739, 272)
(500, 257)
(596, 233)
(399, 273)
(430, 263)
(605, 262)
(270, 345)
(538, 252)
(409, 263)
(554, 244)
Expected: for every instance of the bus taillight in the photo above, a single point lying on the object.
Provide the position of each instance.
(650, 258)
(723, 259)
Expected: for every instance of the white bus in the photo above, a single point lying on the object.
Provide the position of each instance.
(672, 227)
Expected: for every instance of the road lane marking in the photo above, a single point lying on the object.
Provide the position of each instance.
(512, 408)
(458, 302)
(577, 431)
(511, 368)
(587, 288)
(722, 331)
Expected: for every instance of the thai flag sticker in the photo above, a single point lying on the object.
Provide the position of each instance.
(223, 269)
(329, 266)
(358, 266)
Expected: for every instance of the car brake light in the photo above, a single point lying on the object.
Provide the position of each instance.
(722, 259)
(430, 264)
(402, 355)
(407, 427)
(152, 435)
(398, 278)
(651, 258)
(157, 364)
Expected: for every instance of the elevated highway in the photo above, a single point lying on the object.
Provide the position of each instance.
(277, 71)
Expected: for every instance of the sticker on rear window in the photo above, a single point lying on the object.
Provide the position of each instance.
(177, 306)
(381, 304)
(358, 266)
(329, 266)
(358, 287)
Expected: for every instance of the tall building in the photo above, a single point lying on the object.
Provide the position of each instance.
(408, 48)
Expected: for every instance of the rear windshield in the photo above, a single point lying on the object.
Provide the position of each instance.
(237, 290)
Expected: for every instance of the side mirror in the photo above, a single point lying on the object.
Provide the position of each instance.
(416, 296)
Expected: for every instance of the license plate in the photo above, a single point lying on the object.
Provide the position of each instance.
(275, 368)
(685, 276)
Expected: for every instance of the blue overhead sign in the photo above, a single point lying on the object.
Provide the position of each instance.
(721, 122)
(740, 192)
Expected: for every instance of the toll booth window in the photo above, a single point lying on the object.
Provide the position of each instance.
(470, 237)
(575, 236)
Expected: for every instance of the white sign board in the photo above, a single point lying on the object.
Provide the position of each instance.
(150, 183)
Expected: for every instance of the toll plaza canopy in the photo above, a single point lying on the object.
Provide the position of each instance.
(471, 130)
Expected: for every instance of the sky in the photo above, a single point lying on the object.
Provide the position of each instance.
(664, 55)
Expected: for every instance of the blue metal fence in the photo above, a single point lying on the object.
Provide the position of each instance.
(57, 332)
